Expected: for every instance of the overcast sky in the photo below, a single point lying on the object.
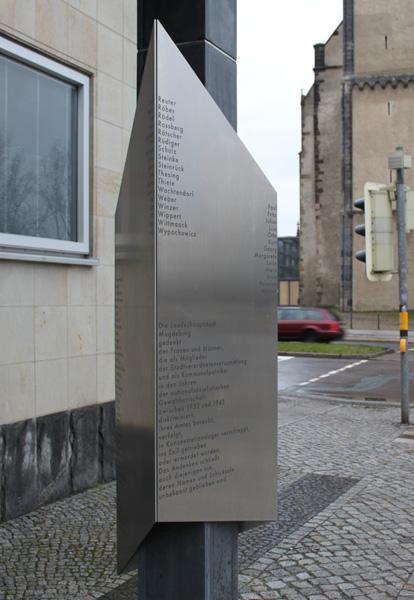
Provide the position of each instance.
(275, 61)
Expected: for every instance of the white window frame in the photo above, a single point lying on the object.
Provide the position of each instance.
(81, 81)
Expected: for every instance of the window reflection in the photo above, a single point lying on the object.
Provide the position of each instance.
(38, 153)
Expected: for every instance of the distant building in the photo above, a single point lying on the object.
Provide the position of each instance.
(288, 269)
(360, 107)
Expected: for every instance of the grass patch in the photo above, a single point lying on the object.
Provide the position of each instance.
(325, 348)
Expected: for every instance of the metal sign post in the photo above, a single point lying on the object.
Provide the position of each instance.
(399, 162)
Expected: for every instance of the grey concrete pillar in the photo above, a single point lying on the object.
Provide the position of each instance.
(205, 32)
(188, 561)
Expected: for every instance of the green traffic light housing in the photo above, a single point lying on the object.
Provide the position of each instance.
(360, 230)
(377, 231)
(360, 203)
(361, 255)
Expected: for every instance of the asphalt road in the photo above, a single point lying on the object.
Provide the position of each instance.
(374, 379)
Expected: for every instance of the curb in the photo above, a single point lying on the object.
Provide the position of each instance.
(344, 400)
(332, 355)
(366, 337)
(371, 340)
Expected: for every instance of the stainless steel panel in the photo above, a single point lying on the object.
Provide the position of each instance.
(196, 285)
(135, 337)
(216, 310)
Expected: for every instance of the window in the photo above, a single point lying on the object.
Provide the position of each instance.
(44, 152)
(292, 314)
(313, 314)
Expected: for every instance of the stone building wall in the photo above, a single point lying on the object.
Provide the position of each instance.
(307, 239)
(57, 320)
(383, 34)
(321, 195)
(383, 118)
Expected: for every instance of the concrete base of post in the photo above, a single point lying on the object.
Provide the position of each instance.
(189, 561)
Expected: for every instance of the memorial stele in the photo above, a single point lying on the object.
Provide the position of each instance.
(196, 290)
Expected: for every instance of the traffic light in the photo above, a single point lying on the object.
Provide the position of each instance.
(378, 255)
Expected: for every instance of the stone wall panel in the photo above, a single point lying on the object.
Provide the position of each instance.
(84, 425)
(20, 480)
(53, 457)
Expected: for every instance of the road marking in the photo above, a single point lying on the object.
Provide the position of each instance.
(329, 373)
(282, 358)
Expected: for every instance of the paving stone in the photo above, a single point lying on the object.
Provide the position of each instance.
(275, 585)
(346, 527)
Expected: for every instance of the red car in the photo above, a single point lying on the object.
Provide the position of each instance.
(308, 324)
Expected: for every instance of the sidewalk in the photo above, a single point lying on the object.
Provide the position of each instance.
(345, 529)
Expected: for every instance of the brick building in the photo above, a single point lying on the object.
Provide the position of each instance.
(360, 107)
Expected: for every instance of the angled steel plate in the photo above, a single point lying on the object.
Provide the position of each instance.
(135, 329)
(201, 414)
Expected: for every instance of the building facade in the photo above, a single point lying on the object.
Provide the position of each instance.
(288, 270)
(68, 89)
(67, 100)
(358, 110)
